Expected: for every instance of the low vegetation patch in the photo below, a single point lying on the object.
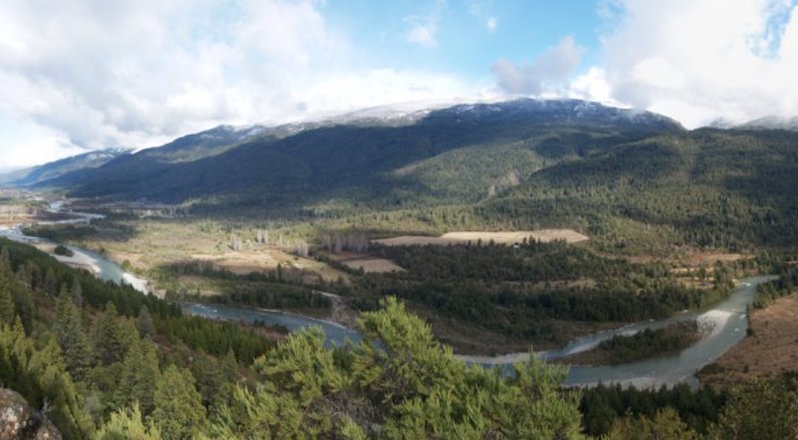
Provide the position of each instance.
(63, 251)
(621, 349)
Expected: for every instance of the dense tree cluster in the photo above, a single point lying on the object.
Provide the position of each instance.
(786, 283)
(281, 288)
(650, 343)
(603, 405)
(518, 290)
(90, 349)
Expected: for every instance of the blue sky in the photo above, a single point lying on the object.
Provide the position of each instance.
(78, 75)
(464, 42)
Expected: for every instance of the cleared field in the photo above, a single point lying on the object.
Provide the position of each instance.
(771, 350)
(373, 265)
(13, 214)
(543, 235)
(244, 262)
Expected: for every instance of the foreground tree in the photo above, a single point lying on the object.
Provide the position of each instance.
(127, 424)
(666, 425)
(108, 345)
(38, 373)
(397, 383)
(179, 413)
(72, 338)
(766, 408)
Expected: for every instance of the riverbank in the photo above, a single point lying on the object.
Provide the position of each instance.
(81, 258)
(769, 350)
(727, 321)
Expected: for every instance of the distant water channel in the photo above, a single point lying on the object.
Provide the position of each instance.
(726, 324)
(102, 267)
(333, 332)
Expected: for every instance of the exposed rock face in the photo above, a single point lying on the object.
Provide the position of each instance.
(18, 421)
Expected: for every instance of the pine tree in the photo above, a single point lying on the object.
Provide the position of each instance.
(71, 336)
(178, 413)
(144, 323)
(400, 379)
(50, 285)
(38, 373)
(108, 345)
(139, 375)
(127, 424)
(77, 293)
(7, 312)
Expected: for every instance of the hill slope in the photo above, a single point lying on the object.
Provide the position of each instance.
(330, 158)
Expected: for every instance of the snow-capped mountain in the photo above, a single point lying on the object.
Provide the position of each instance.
(34, 175)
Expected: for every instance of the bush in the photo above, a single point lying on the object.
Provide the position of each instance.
(63, 251)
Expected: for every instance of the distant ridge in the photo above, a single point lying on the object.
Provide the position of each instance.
(353, 150)
(764, 123)
(52, 170)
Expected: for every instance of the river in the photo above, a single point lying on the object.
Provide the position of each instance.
(725, 325)
(100, 266)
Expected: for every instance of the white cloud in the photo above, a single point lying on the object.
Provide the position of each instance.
(702, 60)
(367, 89)
(423, 28)
(548, 74)
(93, 74)
(423, 34)
(593, 86)
(492, 23)
(479, 9)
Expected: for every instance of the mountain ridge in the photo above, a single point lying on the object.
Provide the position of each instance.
(222, 160)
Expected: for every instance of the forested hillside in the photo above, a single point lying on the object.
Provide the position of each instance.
(106, 362)
(342, 158)
(706, 188)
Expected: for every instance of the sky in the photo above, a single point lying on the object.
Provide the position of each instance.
(78, 75)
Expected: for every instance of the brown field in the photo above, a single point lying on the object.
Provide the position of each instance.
(13, 214)
(375, 265)
(771, 350)
(244, 262)
(544, 235)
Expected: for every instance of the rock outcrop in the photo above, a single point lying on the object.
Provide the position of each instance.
(18, 421)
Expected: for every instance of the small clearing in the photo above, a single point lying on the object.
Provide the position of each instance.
(459, 237)
(710, 258)
(245, 262)
(373, 265)
(771, 350)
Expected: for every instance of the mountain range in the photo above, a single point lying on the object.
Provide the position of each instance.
(334, 153)
(623, 175)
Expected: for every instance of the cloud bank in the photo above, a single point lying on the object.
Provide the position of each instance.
(87, 74)
(699, 61)
(548, 74)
